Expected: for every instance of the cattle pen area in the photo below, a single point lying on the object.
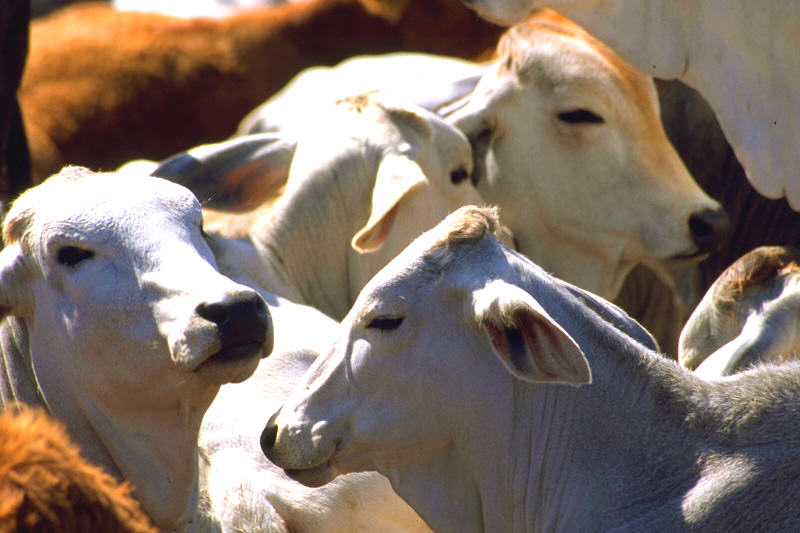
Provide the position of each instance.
(399, 266)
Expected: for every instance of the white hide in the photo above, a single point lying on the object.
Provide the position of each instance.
(569, 143)
(118, 322)
(375, 173)
(742, 58)
(249, 493)
(429, 81)
(454, 375)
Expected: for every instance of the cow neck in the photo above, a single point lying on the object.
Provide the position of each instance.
(17, 381)
(644, 431)
(307, 237)
(552, 448)
(158, 455)
(608, 268)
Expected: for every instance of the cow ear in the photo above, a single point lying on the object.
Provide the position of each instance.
(397, 177)
(531, 345)
(15, 296)
(234, 175)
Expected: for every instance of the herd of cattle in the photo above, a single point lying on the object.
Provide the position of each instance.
(320, 324)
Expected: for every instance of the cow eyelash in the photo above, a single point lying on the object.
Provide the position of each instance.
(72, 255)
(385, 323)
(580, 116)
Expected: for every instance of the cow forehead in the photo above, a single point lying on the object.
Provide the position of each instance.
(97, 207)
(416, 272)
(559, 53)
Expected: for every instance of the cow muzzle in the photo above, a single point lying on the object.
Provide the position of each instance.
(307, 461)
(242, 329)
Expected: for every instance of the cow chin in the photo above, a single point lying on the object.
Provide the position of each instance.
(316, 476)
(231, 365)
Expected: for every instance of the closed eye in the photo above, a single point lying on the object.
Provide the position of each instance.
(386, 323)
(72, 255)
(580, 116)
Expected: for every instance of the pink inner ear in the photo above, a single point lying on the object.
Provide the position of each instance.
(497, 335)
(374, 237)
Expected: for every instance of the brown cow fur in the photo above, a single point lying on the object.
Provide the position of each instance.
(103, 87)
(45, 484)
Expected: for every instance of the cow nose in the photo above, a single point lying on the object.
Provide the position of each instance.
(269, 435)
(709, 228)
(240, 319)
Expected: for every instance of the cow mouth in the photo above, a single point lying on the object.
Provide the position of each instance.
(315, 476)
(238, 352)
(320, 473)
(232, 363)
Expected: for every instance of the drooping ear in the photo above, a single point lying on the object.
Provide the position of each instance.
(531, 345)
(397, 177)
(233, 175)
(15, 295)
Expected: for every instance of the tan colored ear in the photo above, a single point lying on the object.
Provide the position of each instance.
(15, 296)
(531, 345)
(397, 176)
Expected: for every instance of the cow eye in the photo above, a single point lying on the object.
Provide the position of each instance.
(580, 116)
(72, 255)
(386, 323)
(459, 175)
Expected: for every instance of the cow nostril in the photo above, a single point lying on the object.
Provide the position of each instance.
(709, 229)
(269, 435)
(241, 319)
(217, 312)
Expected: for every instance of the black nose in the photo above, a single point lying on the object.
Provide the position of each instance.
(269, 434)
(710, 228)
(241, 319)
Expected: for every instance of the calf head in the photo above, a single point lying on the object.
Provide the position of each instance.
(749, 314)
(129, 322)
(567, 139)
(430, 338)
(402, 169)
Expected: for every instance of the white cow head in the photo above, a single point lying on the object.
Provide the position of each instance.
(568, 141)
(131, 327)
(436, 331)
(376, 173)
(748, 315)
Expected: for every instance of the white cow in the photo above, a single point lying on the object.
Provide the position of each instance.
(611, 225)
(559, 219)
(375, 173)
(249, 493)
(742, 58)
(430, 81)
(600, 189)
(118, 322)
(451, 375)
(749, 315)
